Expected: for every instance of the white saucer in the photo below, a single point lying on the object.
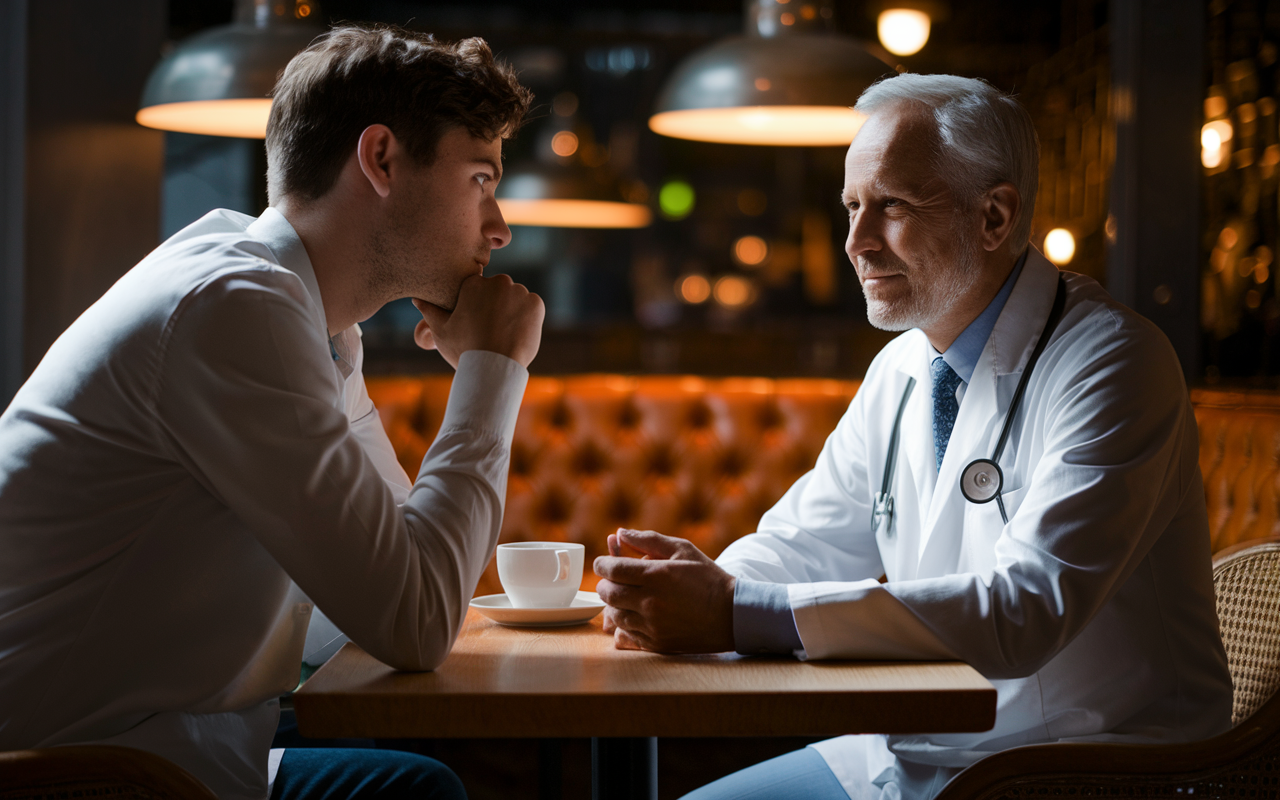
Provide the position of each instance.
(498, 608)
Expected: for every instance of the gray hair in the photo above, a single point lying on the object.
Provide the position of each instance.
(987, 137)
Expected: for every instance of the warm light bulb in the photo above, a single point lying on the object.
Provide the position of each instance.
(903, 31)
(1210, 139)
(813, 126)
(245, 118)
(1060, 246)
(574, 213)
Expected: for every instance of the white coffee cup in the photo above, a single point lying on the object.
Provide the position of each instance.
(540, 574)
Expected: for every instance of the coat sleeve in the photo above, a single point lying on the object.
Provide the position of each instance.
(1119, 451)
(820, 529)
(248, 400)
(366, 427)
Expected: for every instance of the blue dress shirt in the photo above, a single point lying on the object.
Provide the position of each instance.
(762, 619)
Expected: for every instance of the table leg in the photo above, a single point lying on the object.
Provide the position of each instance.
(624, 769)
(550, 756)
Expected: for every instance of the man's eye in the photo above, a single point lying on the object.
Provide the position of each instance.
(482, 179)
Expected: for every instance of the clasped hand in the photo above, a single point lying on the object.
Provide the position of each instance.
(669, 597)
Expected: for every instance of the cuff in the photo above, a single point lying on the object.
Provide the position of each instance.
(762, 620)
(486, 394)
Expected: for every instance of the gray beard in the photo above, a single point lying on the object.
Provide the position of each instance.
(930, 300)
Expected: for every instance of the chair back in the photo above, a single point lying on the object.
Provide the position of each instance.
(1246, 580)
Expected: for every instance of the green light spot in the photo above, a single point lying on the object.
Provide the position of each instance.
(675, 198)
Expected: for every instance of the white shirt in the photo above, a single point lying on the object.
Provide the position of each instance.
(187, 471)
(1092, 611)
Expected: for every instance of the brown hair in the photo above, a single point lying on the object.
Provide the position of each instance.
(356, 76)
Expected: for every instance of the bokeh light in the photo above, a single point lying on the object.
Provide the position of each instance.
(676, 199)
(1213, 142)
(565, 104)
(903, 31)
(750, 251)
(693, 289)
(564, 143)
(733, 291)
(1060, 246)
(752, 202)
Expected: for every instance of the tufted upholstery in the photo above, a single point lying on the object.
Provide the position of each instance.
(704, 459)
(1240, 461)
(701, 459)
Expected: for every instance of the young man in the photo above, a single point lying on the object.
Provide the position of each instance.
(1083, 589)
(195, 462)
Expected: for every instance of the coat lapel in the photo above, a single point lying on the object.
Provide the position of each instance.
(986, 401)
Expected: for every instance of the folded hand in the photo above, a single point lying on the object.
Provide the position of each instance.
(674, 599)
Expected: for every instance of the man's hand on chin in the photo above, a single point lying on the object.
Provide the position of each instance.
(494, 314)
(671, 599)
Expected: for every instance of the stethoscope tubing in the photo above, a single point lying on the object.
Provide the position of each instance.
(884, 500)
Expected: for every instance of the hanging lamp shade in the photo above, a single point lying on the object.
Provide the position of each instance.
(218, 81)
(557, 196)
(789, 81)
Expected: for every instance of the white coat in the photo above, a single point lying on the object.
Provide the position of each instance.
(1092, 610)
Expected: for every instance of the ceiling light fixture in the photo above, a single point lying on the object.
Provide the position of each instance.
(789, 81)
(565, 197)
(217, 82)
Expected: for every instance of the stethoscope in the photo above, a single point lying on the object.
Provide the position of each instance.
(982, 481)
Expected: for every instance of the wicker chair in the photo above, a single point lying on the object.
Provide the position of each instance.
(1241, 763)
(95, 771)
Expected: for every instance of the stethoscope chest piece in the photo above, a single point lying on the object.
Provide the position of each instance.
(981, 481)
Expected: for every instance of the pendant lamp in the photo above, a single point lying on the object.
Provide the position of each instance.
(557, 196)
(217, 81)
(791, 80)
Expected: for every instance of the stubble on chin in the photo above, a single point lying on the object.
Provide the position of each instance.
(933, 287)
(396, 269)
(890, 314)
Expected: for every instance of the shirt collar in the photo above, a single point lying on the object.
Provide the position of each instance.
(273, 230)
(963, 354)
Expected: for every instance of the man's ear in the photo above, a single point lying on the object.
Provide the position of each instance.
(1000, 208)
(374, 153)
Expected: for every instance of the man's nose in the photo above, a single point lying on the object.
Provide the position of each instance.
(864, 234)
(495, 228)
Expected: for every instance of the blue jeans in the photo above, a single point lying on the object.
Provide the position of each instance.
(801, 775)
(349, 774)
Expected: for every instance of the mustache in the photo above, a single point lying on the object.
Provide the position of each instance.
(880, 264)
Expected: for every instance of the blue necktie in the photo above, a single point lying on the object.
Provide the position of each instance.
(945, 407)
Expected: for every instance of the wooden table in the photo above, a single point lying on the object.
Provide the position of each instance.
(504, 682)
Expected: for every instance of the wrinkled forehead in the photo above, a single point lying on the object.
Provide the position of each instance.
(899, 141)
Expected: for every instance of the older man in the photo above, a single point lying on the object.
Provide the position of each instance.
(1021, 465)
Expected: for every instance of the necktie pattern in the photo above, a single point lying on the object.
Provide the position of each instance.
(945, 406)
